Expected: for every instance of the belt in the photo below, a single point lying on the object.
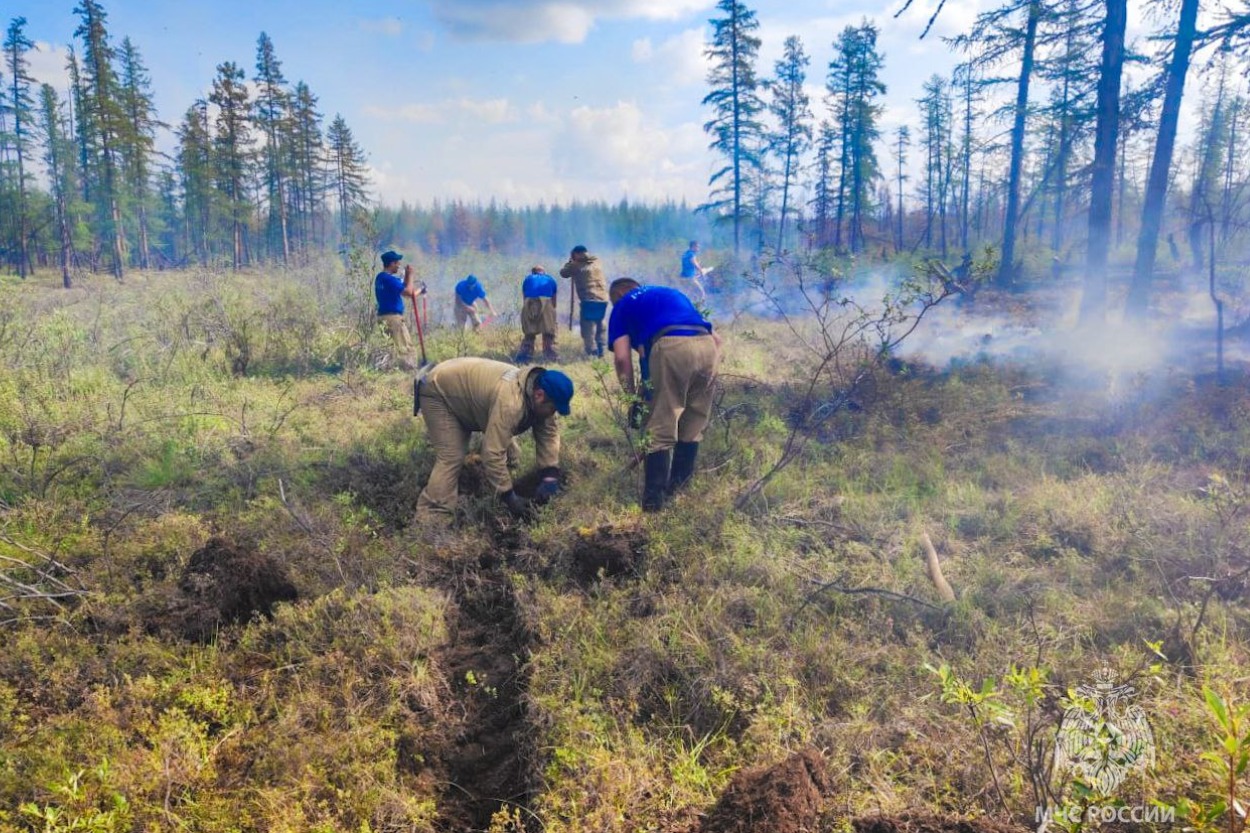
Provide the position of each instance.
(674, 329)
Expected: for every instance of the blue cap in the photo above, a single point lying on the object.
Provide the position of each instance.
(391, 257)
(559, 389)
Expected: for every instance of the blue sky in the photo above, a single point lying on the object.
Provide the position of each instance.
(517, 100)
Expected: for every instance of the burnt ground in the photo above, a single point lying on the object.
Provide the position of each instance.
(926, 823)
(784, 798)
(225, 582)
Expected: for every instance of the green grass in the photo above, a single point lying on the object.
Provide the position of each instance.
(138, 420)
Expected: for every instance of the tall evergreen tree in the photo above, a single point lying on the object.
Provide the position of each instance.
(195, 168)
(273, 118)
(58, 159)
(902, 140)
(16, 45)
(791, 107)
(348, 174)
(304, 154)
(1161, 163)
(137, 140)
(100, 108)
(232, 146)
(735, 105)
(854, 87)
(822, 200)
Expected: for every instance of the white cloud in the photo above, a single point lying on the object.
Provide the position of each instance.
(391, 26)
(642, 50)
(536, 21)
(682, 55)
(47, 65)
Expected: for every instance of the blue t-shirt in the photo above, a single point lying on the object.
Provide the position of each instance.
(469, 290)
(538, 286)
(647, 310)
(688, 269)
(387, 288)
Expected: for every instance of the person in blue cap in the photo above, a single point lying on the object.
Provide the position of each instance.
(679, 355)
(470, 394)
(390, 292)
(468, 292)
(691, 269)
(538, 315)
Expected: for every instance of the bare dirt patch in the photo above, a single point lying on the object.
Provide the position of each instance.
(783, 798)
(607, 551)
(926, 823)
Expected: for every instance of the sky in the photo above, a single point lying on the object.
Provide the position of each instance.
(520, 101)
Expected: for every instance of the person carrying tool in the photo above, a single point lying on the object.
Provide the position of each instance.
(592, 294)
(468, 292)
(679, 354)
(390, 292)
(692, 271)
(538, 315)
(460, 396)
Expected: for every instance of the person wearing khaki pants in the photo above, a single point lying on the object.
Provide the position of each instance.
(470, 394)
(679, 354)
(390, 292)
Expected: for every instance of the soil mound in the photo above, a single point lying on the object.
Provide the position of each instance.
(782, 798)
(608, 550)
(925, 823)
(225, 583)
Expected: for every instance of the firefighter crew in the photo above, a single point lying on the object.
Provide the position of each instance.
(538, 315)
(592, 295)
(468, 292)
(470, 394)
(679, 354)
(390, 292)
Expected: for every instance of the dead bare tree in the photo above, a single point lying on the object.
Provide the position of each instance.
(844, 343)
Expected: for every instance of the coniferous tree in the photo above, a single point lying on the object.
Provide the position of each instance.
(936, 110)
(195, 167)
(822, 200)
(304, 154)
(902, 141)
(736, 105)
(273, 119)
(351, 179)
(791, 107)
(232, 152)
(101, 112)
(1161, 164)
(854, 86)
(58, 159)
(137, 140)
(19, 107)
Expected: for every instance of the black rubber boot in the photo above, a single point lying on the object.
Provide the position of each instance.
(657, 465)
(683, 466)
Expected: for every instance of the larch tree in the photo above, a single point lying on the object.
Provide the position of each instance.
(100, 108)
(303, 158)
(195, 169)
(822, 187)
(137, 141)
(273, 119)
(232, 145)
(348, 172)
(58, 160)
(736, 105)
(902, 141)
(1161, 162)
(792, 109)
(21, 135)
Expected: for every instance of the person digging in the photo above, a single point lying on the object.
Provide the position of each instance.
(538, 315)
(390, 290)
(468, 292)
(678, 356)
(464, 395)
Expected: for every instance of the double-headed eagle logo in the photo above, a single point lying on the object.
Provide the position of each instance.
(1103, 737)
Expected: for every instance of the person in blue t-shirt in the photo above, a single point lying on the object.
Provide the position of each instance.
(538, 315)
(390, 292)
(691, 270)
(679, 354)
(468, 292)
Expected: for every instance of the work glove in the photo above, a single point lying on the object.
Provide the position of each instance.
(637, 415)
(516, 505)
(549, 486)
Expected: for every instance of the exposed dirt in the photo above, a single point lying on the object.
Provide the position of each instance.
(223, 583)
(608, 551)
(925, 823)
(783, 798)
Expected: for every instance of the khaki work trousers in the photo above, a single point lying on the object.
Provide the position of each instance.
(450, 441)
(466, 313)
(683, 378)
(402, 341)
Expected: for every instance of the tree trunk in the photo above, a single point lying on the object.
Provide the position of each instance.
(1161, 164)
(1006, 269)
(1106, 131)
